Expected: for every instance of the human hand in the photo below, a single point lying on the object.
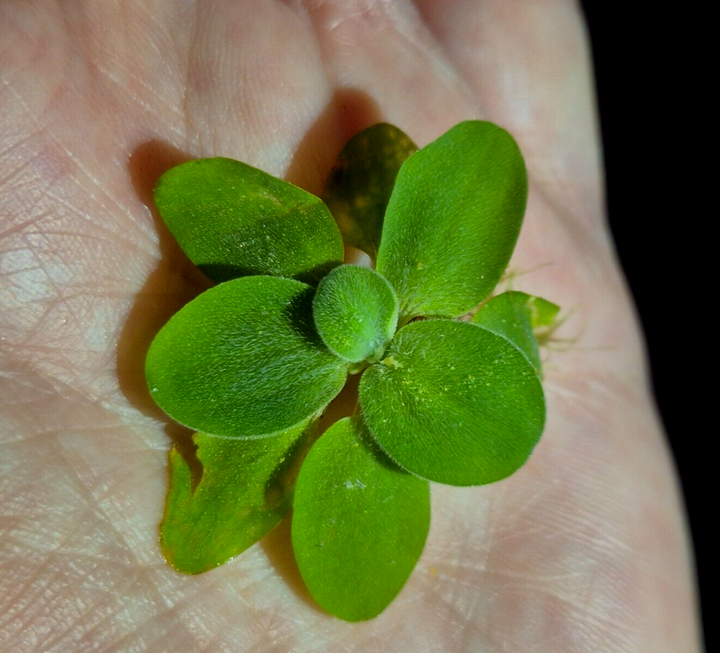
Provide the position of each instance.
(583, 549)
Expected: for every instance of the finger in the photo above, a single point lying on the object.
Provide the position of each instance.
(254, 82)
(383, 50)
(528, 64)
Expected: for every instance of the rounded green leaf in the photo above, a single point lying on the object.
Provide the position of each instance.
(234, 220)
(244, 360)
(359, 523)
(361, 182)
(510, 315)
(355, 311)
(454, 403)
(453, 220)
(245, 490)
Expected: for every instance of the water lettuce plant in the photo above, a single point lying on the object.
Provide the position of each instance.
(252, 363)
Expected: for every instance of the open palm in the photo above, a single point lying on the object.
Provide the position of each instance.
(582, 550)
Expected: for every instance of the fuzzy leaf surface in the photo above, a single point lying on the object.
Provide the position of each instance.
(510, 315)
(454, 403)
(244, 360)
(356, 312)
(245, 490)
(362, 180)
(453, 220)
(359, 523)
(234, 220)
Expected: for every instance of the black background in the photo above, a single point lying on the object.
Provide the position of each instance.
(659, 212)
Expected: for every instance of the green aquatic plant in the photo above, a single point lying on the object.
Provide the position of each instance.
(252, 363)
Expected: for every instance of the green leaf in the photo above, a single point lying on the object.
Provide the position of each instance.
(453, 402)
(453, 220)
(245, 490)
(234, 220)
(359, 523)
(510, 315)
(356, 312)
(244, 360)
(543, 318)
(542, 312)
(362, 180)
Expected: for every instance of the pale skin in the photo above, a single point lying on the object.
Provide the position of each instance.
(585, 549)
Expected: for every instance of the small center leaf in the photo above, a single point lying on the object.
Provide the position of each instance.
(244, 360)
(359, 523)
(356, 312)
(454, 403)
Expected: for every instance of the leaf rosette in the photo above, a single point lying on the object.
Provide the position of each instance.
(252, 363)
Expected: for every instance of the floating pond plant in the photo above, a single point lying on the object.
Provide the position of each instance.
(252, 363)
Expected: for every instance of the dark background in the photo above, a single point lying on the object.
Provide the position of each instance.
(659, 213)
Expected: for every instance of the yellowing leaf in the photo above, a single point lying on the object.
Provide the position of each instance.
(245, 490)
(362, 180)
